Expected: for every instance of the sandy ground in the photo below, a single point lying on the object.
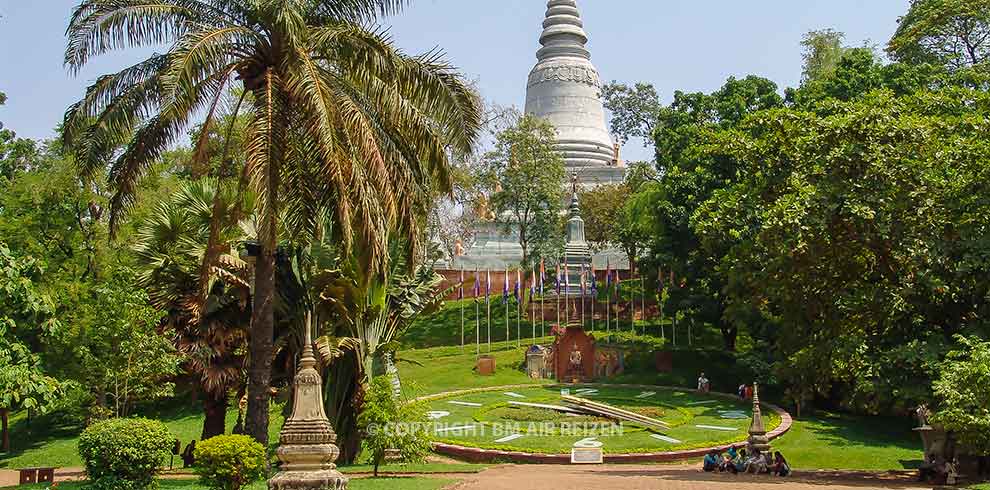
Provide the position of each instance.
(628, 477)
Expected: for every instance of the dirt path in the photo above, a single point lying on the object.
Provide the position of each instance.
(630, 477)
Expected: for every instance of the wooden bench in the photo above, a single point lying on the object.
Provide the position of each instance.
(36, 475)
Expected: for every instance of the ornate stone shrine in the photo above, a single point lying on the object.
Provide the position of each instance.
(574, 356)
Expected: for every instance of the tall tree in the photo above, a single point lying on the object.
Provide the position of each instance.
(635, 110)
(822, 51)
(525, 176)
(170, 249)
(26, 319)
(858, 230)
(339, 121)
(952, 33)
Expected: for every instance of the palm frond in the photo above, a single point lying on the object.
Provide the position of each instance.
(99, 26)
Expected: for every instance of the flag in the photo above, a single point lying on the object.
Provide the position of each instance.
(488, 285)
(618, 283)
(594, 281)
(517, 288)
(543, 274)
(505, 287)
(532, 286)
(460, 289)
(567, 278)
(608, 275)
(583, 281)
(556, 279)
(477, 284)
(660, 281)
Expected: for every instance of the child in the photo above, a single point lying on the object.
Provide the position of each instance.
(711, 462)
(780, 466)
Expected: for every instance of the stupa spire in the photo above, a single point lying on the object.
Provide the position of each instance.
(563, 32)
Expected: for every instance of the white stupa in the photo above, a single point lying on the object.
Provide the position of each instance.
(565, 89)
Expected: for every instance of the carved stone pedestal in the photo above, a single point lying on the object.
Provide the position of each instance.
(307, 449)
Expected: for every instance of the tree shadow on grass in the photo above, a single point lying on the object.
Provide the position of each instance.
(870, 432)
(31, 434)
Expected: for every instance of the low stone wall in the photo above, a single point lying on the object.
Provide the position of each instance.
(478, 455)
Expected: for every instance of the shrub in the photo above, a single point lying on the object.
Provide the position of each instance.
(229, 462)
(124, 454)
(389, 424)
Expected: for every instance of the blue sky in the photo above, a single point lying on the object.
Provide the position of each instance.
(689, 45)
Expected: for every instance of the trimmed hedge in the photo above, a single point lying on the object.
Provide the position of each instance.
(229, 462)
(125, 454)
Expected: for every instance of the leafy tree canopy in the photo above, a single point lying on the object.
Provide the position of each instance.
(949, 33)
(524, 176)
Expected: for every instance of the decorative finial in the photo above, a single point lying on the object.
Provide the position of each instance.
(563, 32)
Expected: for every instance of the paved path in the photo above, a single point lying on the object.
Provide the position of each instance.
(631, 477)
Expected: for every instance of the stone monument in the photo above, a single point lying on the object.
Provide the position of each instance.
(565, 88)
(574, 356)
(758, 439)
(577, 254)
(307, 444)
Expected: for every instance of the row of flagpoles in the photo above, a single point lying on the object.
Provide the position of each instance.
(587, 283)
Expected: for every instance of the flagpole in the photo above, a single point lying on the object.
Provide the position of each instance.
(488, 305)
(594, 296)
(543, 320)
(582, 295)
(477, 313)
(642, 296)
(462, 309)
(519, 296)
(505, 297)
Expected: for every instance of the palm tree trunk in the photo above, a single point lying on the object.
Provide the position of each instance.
(215, 410)
(262, 331)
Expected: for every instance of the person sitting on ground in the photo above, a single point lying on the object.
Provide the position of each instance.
(711, 462)
(780, 466)
(729, 462)
(756, 463)
(927, 472)
(702, 382)
(741, 461)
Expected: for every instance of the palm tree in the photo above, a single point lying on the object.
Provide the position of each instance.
(340, 121)
(211, 334)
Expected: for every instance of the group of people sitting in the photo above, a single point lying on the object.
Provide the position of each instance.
(739, 462)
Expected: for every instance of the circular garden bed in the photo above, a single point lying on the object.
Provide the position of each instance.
(517, 423)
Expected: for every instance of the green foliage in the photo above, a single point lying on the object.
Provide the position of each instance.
(635, 110)
(524, 176)
(388, 423)
(858, 232)
(229, 462)
(607, 218)
(26, 318)
(950, 33)
(125, 454)
(963, 393)
(822, 51)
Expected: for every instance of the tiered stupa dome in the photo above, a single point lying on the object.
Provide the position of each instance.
(565, 89)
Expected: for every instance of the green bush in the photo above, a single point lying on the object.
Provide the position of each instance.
(124, 454)
(388, 424)
(229, 462)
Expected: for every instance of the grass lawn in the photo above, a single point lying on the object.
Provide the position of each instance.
(847, 442)
(355, 484)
